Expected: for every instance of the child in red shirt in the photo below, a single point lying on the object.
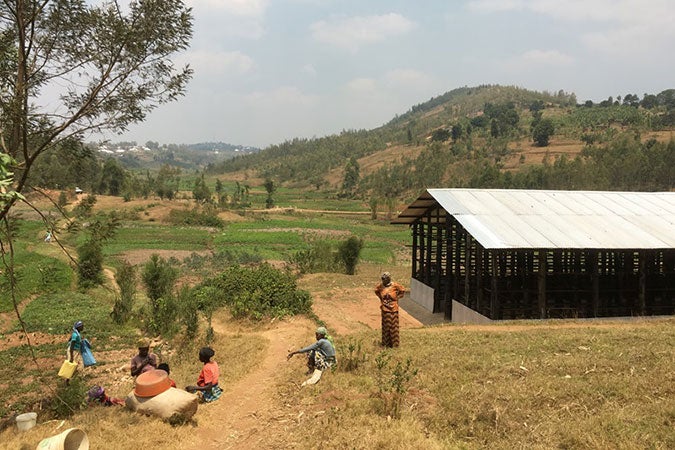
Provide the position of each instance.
(207, 383)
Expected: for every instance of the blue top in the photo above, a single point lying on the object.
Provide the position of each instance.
(76, 340)
(323, 345)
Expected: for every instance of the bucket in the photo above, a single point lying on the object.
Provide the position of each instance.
(26, 421)
(71, 439)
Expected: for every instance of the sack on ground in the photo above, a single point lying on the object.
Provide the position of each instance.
(67, 369)
(171, 405)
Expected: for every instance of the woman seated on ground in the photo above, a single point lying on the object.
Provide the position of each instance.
(207, 383)
(320, 354)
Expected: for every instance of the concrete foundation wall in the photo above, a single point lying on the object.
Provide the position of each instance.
(422, 294)
(462, 314)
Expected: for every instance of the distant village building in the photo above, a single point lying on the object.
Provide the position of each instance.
(489, 254)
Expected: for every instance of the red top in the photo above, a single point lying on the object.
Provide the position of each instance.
(209, 374)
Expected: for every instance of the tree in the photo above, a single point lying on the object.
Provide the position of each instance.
(270, 188)
(351, 178)
(349, 252)
(542, 131)
(201, 192)
(456, 132)
(105, 66)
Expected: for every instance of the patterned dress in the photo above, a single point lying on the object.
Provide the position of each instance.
(389, 296)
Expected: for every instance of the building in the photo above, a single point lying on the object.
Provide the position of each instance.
(490, 254)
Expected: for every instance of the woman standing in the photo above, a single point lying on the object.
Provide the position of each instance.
(389, 294)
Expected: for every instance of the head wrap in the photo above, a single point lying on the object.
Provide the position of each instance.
(386, 275)
(143, 343)
(322, 331)
(95, 392)
(78, 324)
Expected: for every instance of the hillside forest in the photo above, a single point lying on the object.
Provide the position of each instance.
(481, 137)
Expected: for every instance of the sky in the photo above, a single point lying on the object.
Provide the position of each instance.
(267, 71)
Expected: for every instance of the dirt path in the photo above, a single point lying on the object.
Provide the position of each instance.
(241, 417)
(247, 416)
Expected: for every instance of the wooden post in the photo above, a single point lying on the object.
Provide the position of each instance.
(494, 295)
(479, 277)
(541, 300)
(467, 270)
(415, 256)
(448, 266)
(642, 282)
(595, 281)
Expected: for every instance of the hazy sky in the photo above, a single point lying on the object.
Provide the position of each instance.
(271, 70)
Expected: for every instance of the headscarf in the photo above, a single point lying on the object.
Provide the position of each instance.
(77, 325)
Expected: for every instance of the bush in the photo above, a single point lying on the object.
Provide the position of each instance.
(159, 278)
(90, 264)
(319, 257)
(196, 217)
(348, 253)
(69, 398)
(258, 292)
(392, 384)
(354, 356)
(124, 302)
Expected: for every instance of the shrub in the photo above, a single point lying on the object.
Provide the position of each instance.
(392, 384)
(319, 257)
(90, 264)
(69, 398)
(348, 253)
(354, 356)
(258, 292)
(159, 278)
(124, 302)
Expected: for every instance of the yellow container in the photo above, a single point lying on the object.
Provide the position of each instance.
(67, 369)
(71, 439)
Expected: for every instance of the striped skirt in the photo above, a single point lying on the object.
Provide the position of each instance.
(390, 329)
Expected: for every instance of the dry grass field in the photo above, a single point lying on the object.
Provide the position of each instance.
(579, 384)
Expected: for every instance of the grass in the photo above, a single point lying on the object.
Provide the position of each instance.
(586, 386)
(278, 236)
(157, 237)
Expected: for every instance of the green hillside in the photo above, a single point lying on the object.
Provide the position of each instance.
(486, 136)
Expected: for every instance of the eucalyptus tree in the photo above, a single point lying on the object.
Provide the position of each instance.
(75, 68)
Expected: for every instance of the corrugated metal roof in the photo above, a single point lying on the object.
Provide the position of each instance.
(511, 218)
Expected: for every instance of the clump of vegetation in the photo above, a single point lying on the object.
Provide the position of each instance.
(70, 398)
(392, 384)
(200, 217)
(159, 278)
(326, 256)
(349, 252)
(124, 302)
(257, 292)
(354, 356)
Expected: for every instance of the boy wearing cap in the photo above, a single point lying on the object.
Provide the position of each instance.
(145, 360)
(389, 294)
(320, 354)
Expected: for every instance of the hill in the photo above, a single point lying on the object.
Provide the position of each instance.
(481, 137)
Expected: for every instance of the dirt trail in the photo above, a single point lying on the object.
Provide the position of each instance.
(246, 415)
(242, 416)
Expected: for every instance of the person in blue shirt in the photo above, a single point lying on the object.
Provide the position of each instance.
(320, 354)
(75, 340)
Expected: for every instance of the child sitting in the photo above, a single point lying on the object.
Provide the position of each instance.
(97, 395)
(165, 368)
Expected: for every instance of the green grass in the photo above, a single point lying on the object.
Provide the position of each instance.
(55, 314)
(34, 273)
(277, 237)
(157, 237)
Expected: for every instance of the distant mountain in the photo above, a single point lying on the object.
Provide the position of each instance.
(152, 155)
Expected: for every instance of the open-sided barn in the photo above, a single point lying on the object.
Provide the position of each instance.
(491, 254)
